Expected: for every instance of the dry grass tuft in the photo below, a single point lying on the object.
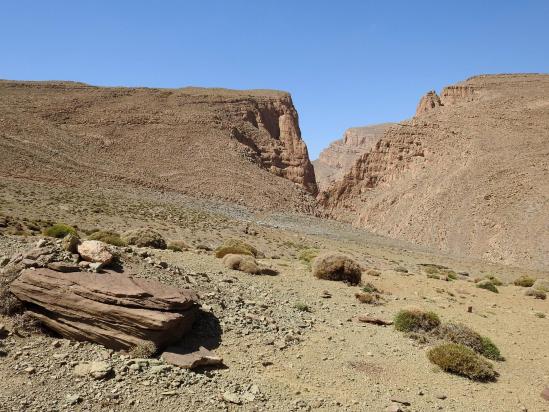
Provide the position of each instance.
(416, 320)
(524, 281)
(59, 231)
(236, 247)
(144, 237)
(112, 238)
(460, 360)
(244, 263)
(144, 350)
(332, 266)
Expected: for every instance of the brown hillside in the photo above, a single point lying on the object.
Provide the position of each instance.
(470, 176)
(239, 146)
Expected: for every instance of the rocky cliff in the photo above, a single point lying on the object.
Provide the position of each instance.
(336, 160)
(243, 147)
(468, 176)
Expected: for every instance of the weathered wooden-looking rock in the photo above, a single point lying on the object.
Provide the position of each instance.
(111, 308)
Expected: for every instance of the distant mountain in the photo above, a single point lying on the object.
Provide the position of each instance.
(243, 147)
(469, 174)
(336, 160)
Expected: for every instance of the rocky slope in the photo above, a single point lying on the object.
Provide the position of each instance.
(336, 160)
(469, 175)
(240, 146)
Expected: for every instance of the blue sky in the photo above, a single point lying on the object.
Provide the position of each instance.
(346, 63)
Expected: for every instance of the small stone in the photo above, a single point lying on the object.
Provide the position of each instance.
(64, 267)
(394, 407)
(97, 370)
(29, 263)
(30, 370)
(545, 394)
(4, 260)
(441, 396)
(70, 243)
(232, 398)
(73, 399)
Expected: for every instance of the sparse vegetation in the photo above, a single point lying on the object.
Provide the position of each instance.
(338, 267)
(144, 350)
(307, 255)
(495, 281)
(463, 335)
(112, 238)
(540, 315)
(416, 320)
(59, 230)
(144, 237)
(370, 288)
(460, 360)
(302, 307)
(178, 245)
(366, 297)
(488, 285)
(524, 281)
(236, 247)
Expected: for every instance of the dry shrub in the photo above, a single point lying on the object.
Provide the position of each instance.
(463, 335)
(237, 247)
(59, 230)
(307, 256)
(244, 263)
(488, 285)
(144, 237)
(338, 267)
(112, 238)
(416, 320)
(524, 281)
(369, 298)
(458, 359)
(25, 322)
(144, 350)
(178, 245)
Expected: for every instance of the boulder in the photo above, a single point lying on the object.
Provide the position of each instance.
(113, 309)
(70, 243)
(95, 251)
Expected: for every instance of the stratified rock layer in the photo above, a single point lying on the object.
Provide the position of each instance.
(244, 147)
(337, 159)
(470, 176)
(111, 308)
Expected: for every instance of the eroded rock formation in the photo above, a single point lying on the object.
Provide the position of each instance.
(110, 308)
(336, 160)
(243, 147)
(470, 177)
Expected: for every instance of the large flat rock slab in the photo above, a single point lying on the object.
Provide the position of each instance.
(113, 309)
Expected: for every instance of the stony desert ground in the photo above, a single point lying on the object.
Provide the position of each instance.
(288, 341)
(169, 249)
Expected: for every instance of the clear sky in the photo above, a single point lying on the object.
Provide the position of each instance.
(346, 63)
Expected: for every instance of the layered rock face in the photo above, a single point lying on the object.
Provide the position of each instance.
(110, 308)
(470, 176)
(244, 147)
(336, 160)
(428, 102)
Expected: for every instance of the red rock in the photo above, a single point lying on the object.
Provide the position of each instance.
(545, 394)
(111, 308)
(428, 102)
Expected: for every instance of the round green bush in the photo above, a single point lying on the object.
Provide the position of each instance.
(488, 285)
(460, 360)
(416, 320)
(59, 230)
